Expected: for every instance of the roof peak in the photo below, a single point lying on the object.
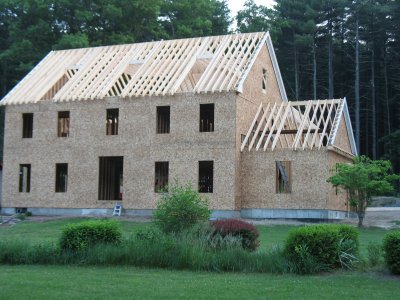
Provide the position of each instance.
(164, 40)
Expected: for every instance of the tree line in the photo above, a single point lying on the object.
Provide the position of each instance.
(325, 48)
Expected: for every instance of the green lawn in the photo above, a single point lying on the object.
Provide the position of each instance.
(57, 282)
(72, 282)
(51, 230)
(269, 235)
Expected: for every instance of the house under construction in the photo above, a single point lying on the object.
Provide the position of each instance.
(89, 128)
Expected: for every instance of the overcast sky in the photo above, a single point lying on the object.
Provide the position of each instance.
(236, 5)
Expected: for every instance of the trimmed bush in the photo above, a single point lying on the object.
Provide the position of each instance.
(180, 209)
(347, 232)
(78, 237)
(391, 245)
(327, 246)
(247, 232)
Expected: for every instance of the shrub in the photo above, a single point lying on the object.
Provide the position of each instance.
(21, 216)
(148, 234)
(329, 246)
(77, 237)
(180, 209)
(186, 250)
(247, 232)
(306, 263)
(391, 245)
(349, 233)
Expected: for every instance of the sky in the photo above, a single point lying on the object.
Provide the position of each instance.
(236, 5)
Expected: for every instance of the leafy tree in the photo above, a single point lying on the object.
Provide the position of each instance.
(26, 35)
(253, 18)
(110, 21)
(183, 19)
(72, 41)
(362, 180)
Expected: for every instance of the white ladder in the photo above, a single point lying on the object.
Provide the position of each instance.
(117, 210)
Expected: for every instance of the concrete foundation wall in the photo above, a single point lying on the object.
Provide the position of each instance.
(309, 214)
(137, 142)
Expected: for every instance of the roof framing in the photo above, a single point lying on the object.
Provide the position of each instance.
(298, 125)
(144, 69)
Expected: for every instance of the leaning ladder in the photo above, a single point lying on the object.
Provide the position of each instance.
(117, 210)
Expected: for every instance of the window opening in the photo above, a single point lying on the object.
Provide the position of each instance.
(112, 121)
(206, 174)
(111, 177)
(161, 176)
(63, 123)
(24, 178)
(163, 119)
(264, 79)
(207, 117)
(27, 125)
(283, 177)
(61, 178)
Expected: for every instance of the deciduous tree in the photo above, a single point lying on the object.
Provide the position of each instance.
(362, 180)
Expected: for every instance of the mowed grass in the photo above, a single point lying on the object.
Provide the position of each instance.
(73, 282)
(57, 282)
(50, 231)
(270, 236)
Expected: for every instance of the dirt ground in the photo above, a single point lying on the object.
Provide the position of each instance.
(375, 217)
(385, 217)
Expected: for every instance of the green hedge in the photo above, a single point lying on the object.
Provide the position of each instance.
(77, 237)
(391, 245)
(322, 246)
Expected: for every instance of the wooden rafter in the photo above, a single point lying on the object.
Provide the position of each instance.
(295, 125)
(144, 69)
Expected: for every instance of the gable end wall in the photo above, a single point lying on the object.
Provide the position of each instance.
(247, 104)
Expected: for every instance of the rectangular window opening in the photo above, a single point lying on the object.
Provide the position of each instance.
(112, 121)
(24, 178)
(163, 119)
(63, 124)
(27, 125)
(207, 117)
(283, 177)
(264, 79)
(61, 178)
(206, 176)
(161, 176)
(111, 177)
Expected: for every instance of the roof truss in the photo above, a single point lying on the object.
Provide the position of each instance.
(145, 69)
(296, 125)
